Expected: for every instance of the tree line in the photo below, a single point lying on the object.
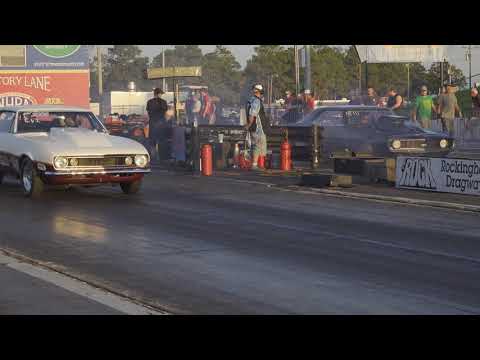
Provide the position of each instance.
(335, 71)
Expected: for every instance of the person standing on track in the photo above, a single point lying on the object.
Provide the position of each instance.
(257, 125)
(156, 109)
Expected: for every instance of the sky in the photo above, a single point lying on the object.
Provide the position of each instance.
(456, 54)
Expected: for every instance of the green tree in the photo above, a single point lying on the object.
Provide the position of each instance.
(270, 61)
(329, 72)
(221, 73)
(180, 55)
(124, 63)
(433, 77)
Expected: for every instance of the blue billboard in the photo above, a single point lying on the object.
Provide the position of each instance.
(44, 57)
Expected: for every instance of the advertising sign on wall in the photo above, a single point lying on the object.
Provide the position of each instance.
(44, 74)
(50, 88)
(43, 57)
(461, 176)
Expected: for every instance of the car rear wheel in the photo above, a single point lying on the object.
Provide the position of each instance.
(31, 182)
(131, 187)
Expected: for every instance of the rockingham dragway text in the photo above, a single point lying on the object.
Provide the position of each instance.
(461, 167)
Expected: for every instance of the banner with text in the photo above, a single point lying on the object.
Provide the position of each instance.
(401, 53)
(50, 88)
(460, 176)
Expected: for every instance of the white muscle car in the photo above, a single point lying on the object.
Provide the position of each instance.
(52, 145)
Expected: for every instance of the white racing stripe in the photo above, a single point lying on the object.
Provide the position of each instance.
(78, 287)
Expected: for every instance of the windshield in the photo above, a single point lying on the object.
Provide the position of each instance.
(396, 124)
(44, 121)
(350, 117)
(363, 117)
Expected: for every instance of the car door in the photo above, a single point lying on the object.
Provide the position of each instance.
(6, 135)
(333, 125)
(360, 131)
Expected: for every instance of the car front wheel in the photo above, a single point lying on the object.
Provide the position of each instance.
(31, 182)
(131, 187)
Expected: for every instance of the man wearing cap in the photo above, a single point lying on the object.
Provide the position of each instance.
(309, 102)
(156, 109)
(423, 107)
(257, 124)
(447, 106)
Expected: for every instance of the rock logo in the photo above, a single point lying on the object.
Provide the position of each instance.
(16, 99)
(416, 172)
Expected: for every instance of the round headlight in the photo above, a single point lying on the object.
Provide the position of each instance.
(128, 161)
(396, 144)
(60, 162)
(443, 143)
(141, 160)
(73, 162)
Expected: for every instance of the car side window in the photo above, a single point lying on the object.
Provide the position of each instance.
(6, 120)
(330, 118)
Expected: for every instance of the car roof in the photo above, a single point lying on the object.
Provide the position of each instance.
(44, 108)
(350, 107)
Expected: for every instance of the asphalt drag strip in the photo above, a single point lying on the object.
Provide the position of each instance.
(32, 289)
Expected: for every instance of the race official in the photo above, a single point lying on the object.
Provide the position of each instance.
(257, 125)
(156, 109)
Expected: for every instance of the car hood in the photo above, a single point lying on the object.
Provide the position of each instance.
(74, 141)
(419, 134)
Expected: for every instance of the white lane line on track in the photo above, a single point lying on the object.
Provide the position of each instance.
(78, 287)
(377, 198)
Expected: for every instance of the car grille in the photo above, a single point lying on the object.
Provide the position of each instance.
(99, 162)
(413, 144)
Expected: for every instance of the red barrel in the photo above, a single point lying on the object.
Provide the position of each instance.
(285, 156)
(207, 160)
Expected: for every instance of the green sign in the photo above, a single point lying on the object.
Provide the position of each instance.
(57, 51)
(184, 71)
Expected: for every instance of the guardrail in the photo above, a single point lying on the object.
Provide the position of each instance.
(305, 141)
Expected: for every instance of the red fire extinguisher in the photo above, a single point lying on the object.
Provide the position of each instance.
(285, 156)
(261, 162)
(207, 161)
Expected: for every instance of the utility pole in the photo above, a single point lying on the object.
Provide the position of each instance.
(163, 66)
(408, 82)
(359, 78)
(297, 71)
(441, 75)
(100, 79)
(366, 67)
(468, 56)
(308, 75)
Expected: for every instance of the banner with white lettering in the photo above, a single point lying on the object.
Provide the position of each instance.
(460, 176)
(401, 53)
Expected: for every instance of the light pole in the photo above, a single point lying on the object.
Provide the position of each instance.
(468, 56)
(308, 75)
(100, 79)
(408, 82)
(163, 66)
(297, 70)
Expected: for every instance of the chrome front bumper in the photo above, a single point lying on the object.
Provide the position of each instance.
(96, 172)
